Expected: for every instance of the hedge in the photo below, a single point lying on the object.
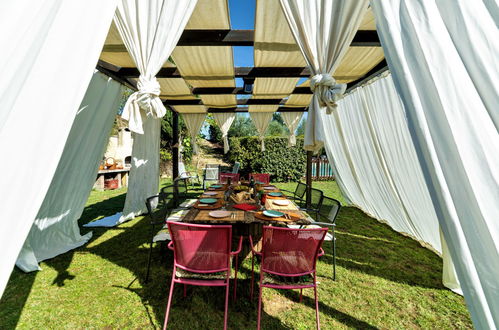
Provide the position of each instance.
(282, 162)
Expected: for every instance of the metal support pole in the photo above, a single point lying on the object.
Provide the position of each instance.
(175, 144)
(309, 180)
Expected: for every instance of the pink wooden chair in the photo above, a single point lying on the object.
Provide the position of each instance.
(201, 256)
(261, 177)
(289, 259)
(224, 177)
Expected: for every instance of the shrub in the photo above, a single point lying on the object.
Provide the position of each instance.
(282, 162)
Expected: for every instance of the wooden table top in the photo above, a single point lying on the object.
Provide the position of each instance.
(247, 217)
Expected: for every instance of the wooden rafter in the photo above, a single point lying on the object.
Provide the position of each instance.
(243, 38)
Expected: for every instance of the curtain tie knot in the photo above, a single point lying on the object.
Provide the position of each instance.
(328, 91)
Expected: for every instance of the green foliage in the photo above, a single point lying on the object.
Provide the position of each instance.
(242, 126)
(282, 162)
(214, 132)
(277, 129)
(167, 136)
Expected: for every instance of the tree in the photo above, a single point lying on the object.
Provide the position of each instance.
(242, 126)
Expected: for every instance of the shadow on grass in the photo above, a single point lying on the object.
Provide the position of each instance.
(366, 245)
(363, 245)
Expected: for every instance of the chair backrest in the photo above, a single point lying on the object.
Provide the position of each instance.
(181, 186)
(234, 177)
(181, 169)
(317, 198)
(261, 177)
(157, 205)
(152, 204)
(211, 173)
(300, 190)
(330, 208)
(201, 248)
(291, 252)
(235, 168)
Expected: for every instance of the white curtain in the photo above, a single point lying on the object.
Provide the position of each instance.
(194, 122)
(369, 142)
(324, 30)
(224, 121)
(144, 174)
(55, 229)
(292, 120)
(150, 30)
(443, 56)
(48, 56)
(261, 121)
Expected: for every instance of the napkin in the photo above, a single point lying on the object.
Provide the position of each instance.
(245, 207)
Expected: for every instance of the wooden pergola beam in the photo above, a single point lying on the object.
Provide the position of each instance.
(243, 38)
(252, 101)
(245, 109)
(238, 91)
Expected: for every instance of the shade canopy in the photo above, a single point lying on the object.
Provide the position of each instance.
(200, 75)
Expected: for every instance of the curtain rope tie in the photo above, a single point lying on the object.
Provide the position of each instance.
(327, 90)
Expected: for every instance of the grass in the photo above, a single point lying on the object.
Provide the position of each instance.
(385, 280)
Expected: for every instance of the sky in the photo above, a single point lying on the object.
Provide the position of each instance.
(242, 17)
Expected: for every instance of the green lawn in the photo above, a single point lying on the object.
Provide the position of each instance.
(385, 280)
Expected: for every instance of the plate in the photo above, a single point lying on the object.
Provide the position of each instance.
(275, 194)
(208, 200)
(219, 214)
(260, 182)
(210, 193)
(272, 213)
(281, 202)
(216, 186)
(269, 188)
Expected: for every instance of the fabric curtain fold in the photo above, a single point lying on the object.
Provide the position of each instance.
(292, 120)
(194, 122)
(38, 101)
(150, 31)
(369, 142)
(261, 121)
(144, 173)
(224, 122)
(323, 30)
(55, 230)
(446, 72)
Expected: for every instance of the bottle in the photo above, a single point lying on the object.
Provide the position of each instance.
(252, 187)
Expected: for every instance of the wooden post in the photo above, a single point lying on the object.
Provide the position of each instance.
(175, 144)
(309, 180)
(318, 168)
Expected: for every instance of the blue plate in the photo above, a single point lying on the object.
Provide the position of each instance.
(208, 200)
(216, 186)
(260, 182)
(272, 213)
(275, 194)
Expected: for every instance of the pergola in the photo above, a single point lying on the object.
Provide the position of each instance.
(200, 75)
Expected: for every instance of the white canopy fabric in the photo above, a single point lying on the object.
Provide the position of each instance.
(224, 122)
(292, 120)
(443, 57)
(150, 31)
(55, 230)
(324, 31)
(43, 81)
(194, 122)
(261, 121)
(369, 142)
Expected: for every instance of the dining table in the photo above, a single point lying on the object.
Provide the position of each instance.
(268, 205)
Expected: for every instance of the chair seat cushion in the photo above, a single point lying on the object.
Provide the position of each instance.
(287, 280)
(329, 236)
(181, 273)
